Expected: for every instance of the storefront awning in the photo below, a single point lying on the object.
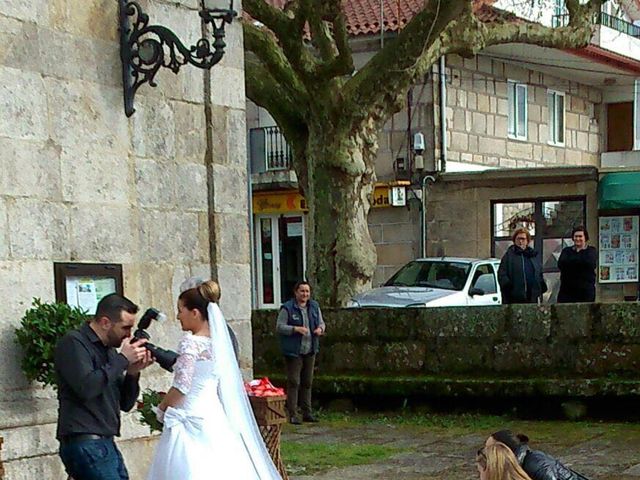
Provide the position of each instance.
(619, 190)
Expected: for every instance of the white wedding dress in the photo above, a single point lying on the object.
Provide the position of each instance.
(204, 438)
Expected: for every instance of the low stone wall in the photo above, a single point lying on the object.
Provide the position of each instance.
(561, 350)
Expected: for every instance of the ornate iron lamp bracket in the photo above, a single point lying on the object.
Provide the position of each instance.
(145, 48)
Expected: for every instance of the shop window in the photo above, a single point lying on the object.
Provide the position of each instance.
(517, 99)
(549, 223)
(556, 104)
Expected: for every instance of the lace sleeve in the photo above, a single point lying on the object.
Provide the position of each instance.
(185, 365)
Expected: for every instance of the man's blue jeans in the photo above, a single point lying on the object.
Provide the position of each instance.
(93, 460)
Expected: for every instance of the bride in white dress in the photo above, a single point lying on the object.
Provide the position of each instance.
(209, 430)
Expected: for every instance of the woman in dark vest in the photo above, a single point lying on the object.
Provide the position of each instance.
(299, 328)
(577, 266)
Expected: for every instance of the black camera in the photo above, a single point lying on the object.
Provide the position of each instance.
(165, 358)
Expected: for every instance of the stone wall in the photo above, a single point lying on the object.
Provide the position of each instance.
(576, 344)
(160, 193)
(395, 231)
(477, 116)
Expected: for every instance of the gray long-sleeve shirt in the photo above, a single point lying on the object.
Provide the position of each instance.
(92, 385)
(283, 328)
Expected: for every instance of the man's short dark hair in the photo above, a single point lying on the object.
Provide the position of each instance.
(112, 305)
(299, 284)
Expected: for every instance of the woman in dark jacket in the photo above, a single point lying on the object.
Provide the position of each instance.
(577, 266)
(538, 465)
(520, 272)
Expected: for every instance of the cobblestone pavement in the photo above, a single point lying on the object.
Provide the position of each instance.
(437, 455)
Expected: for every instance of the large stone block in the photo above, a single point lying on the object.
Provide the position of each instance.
(91, 176)
(235, 282)
(35, 11)
(19, 45)
(236, 139)
(170, 236)
(405, 357)
(4, 231)
(227, 87)
(530, 324)
(157, 183)
(74, 58)
(190, 129)
(230, 189)
(191, 187)
(102, 233)
(39, 229)
(22, 105)
(84, 115)
(66, 16)
(154, 128)
(29, 169)
(494, 146)
(573, 322)
(231, 237)
(619, 321)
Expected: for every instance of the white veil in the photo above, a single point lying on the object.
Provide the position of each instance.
(234, 397)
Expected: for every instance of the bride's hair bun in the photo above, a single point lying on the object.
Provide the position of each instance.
(210, 291)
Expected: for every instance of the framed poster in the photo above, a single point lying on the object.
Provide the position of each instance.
(84, 284)
(618, 238)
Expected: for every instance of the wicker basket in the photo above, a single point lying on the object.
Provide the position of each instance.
(269, 410)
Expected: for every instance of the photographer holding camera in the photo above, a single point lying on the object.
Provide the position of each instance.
(95, 382)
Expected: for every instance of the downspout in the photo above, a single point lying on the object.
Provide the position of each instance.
(254, 280)
(423, 230)
(443, 116)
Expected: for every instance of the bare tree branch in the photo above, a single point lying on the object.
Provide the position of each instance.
(390, 73)
(262, 44)
(342, 62)
(470, 35)
(273, 18)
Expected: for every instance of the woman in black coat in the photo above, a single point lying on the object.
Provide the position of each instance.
(577, 266)
(537, 464)
(520, 272)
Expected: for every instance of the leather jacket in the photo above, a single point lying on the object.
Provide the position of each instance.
(541, 466)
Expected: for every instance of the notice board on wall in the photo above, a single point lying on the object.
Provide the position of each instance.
(618, 241)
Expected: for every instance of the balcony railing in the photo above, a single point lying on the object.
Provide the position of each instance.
(605, 19)
(269, 150)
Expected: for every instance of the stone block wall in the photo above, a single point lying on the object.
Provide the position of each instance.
(477, 116)
(162, 193)
(586, 341)
(395, 231)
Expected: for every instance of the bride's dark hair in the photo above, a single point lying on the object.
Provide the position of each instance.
(200, 297)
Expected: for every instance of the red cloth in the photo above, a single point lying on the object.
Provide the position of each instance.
(262, 388)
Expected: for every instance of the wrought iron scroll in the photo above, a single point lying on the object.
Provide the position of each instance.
(145, 48)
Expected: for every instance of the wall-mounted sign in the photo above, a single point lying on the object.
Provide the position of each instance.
(618, 242)
(398, 196)
(84, 284)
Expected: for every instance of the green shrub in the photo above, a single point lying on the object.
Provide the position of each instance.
(41, 327)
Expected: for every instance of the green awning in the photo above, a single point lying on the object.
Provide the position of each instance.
(619, 190)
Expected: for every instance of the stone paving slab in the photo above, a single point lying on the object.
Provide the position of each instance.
(438, 456)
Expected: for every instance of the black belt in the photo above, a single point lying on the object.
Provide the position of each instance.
(83, 437)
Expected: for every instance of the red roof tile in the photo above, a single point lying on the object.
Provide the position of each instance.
(363, 16)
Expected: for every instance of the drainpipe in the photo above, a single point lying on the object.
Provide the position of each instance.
(443, 116)
(252, 269)
(423, 230)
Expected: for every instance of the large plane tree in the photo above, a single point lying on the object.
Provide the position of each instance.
(299, 67)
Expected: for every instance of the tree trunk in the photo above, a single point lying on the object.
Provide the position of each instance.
(342, 257)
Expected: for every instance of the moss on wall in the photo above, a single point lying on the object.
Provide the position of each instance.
(559, 350)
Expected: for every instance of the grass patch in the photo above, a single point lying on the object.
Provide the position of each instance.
(309, 458)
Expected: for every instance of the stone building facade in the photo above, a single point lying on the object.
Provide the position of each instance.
(477, 112)
(159, 193)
